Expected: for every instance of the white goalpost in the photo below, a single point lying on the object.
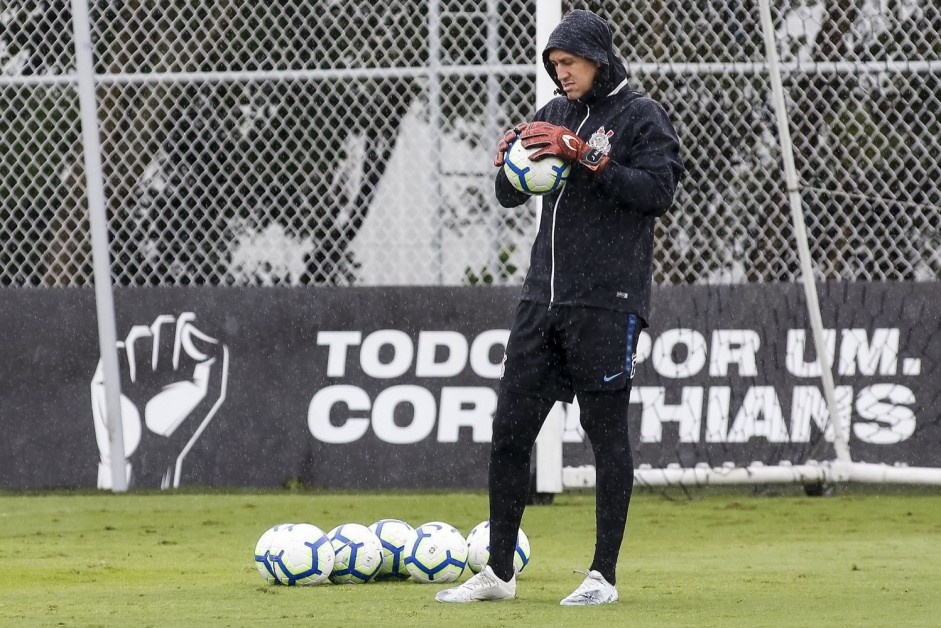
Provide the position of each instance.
(842, 469)
(548, 452)
(553, 477)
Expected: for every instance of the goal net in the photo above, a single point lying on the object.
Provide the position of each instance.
(810, 230)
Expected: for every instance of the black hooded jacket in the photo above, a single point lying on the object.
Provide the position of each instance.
(595, 242)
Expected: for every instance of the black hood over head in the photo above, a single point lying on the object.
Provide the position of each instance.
(588, 35)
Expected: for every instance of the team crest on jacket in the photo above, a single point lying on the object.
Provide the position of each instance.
(601, 140)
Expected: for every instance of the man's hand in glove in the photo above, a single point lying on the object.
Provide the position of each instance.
(559, 142)
(504, 144)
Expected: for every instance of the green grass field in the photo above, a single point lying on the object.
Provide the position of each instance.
(707, 559)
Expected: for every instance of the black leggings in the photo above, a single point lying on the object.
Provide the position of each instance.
(515, 426)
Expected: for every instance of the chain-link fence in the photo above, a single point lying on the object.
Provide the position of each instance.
(349, 142)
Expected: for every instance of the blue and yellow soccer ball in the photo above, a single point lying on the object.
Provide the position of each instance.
(396, 537)
(478, 548)
(543, 176)
(358, 554)
(299, 554)
(263, 552)
(438, 553)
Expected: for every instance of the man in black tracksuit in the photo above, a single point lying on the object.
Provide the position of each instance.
(586, 296)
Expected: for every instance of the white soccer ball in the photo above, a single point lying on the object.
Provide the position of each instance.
(438, 554)
(478, 548)
(300, 554)
(396, 537)
(543, 176)
(263, 553)
(358, 554)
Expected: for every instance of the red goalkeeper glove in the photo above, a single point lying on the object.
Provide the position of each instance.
(559, 142)
(504, 144)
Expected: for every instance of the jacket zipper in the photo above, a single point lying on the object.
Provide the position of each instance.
(554, 210)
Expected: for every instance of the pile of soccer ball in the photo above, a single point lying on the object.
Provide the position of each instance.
(391, 549)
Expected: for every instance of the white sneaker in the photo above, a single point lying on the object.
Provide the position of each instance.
(593, 590)
(484, 586)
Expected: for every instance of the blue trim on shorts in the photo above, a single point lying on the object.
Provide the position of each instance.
(629, 361)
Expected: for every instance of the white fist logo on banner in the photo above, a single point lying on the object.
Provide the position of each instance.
(174, 377)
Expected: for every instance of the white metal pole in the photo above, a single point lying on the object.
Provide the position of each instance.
(548, 16)
(493, 127)
(549, 442)
(736, 68)
(811, 473)
(434, 130)
(97, 215)
(840, 437)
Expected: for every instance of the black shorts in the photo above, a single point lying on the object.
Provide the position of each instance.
(556, 352)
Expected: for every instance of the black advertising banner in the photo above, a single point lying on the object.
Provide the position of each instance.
(256, 386)
(396, 387)
(729, 374)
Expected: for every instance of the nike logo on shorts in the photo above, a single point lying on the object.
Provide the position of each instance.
(608, 378)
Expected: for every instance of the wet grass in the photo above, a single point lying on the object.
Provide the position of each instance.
(707, 559)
